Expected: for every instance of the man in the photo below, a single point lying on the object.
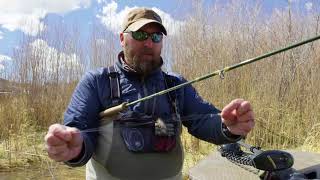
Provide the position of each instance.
(142, 142)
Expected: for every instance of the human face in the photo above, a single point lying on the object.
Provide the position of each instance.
(142, 56)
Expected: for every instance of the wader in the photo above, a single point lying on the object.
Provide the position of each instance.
(112, 159)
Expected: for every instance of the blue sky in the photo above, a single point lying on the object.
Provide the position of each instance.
(29, 17)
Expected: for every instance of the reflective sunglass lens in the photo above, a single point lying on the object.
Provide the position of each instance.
(141, 36)
(156, 37)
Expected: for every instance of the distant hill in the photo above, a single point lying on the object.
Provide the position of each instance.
(6, 86)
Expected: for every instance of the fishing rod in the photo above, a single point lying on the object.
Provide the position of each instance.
(116, 109)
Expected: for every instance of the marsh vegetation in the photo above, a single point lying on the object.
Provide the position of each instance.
(284, 89)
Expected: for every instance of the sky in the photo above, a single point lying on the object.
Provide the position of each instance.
(29, 17)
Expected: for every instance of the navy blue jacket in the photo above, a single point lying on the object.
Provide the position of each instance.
(92, 95)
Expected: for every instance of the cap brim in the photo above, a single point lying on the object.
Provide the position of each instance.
(139, 24)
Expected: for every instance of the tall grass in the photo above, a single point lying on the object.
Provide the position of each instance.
(283, 89)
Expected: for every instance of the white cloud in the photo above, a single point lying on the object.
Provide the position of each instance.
(308, 6)
(169, 22)
(4, 58)
(101, 1)
(113, 19)
(4, 61)
(53, 60)
(110, 18)
(25, 15)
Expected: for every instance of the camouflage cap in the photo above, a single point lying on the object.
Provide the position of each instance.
(139, 17)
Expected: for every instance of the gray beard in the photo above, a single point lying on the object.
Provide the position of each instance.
(143, 68)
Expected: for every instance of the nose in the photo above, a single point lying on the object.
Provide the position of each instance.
(148, 42)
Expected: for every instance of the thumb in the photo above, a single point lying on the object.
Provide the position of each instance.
(76, 137)
(61, 132)
(228, 113)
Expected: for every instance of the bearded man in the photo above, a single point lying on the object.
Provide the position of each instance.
(142, 142)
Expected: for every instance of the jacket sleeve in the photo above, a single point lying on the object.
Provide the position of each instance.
(82, 113)
(202, 119)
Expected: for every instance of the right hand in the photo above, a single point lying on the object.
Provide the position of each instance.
(63, 143)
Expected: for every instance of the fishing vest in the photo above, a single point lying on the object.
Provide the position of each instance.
(132, 146)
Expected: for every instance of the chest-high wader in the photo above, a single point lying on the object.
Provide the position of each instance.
(127, 151)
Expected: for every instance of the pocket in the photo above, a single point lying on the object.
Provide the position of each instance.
(137, 139)
(164, 143)
(143, 138)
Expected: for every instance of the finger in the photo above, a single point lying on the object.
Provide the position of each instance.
(77, 138)
(242, 128)
(53, 140)
(63, 134)
(60, 157)
(246, 127)
(228, 111)
(54, 150)
(55, 127)
(248, 116)
(59, 131)
(244, 107)
(251, 124)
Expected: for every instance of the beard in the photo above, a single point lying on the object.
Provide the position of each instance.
(140, 64)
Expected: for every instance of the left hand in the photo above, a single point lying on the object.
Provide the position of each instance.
(238, 117)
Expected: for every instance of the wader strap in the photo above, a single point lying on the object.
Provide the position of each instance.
(170, 82)
(115, 93)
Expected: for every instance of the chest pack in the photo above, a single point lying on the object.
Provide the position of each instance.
(146, 133)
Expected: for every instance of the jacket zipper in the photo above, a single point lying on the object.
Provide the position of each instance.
(145, 93)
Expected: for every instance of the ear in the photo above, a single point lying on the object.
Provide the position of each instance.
(122, 39)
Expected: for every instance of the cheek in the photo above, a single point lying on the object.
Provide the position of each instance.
(129, 48)
(133, 47)
(158, 47)
(158, 50)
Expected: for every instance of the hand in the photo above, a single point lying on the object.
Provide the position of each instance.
(238, 117)
(63, 143)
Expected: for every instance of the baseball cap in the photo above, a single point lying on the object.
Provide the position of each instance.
(139, 17)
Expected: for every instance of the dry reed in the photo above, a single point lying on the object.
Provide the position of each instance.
(283, 89)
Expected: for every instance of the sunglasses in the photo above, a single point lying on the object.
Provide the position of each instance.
(141, 36)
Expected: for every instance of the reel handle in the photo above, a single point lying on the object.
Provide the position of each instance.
(113, 110)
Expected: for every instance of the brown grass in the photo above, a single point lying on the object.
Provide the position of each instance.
(283, 89)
